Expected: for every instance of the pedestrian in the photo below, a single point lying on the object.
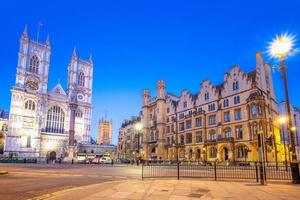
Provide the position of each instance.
(72, 161)
(112, 162)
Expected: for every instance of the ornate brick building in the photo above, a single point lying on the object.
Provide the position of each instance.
(220, 122)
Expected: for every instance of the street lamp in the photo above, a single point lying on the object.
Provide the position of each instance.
(281, 47)
(138, 127)
(282, 120)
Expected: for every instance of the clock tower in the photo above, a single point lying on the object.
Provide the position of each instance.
(33, 64)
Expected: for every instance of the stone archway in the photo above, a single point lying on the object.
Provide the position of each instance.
(52, 155)
(225, 154)
(198, 154)
(153, 153)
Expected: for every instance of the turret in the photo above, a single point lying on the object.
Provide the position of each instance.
(146, 97)
(160, 89)
(260, 72)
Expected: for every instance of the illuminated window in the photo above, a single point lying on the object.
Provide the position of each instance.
(55, 120)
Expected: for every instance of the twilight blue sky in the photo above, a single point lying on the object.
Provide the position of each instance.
(136, 43)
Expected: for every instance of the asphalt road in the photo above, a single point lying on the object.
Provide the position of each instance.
(26, 181)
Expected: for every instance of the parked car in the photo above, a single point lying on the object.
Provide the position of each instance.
(105, 160)
(96, 161)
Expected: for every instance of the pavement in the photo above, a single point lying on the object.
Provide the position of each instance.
(178, 190)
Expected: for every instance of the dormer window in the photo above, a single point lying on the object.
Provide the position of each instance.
(206, 96)
(235, 85)
(185, 104)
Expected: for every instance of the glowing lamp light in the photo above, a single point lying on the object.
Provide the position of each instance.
(293, 128)
(282, 45)
(138, 126)
(282, 120)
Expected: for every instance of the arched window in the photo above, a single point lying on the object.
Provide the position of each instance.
(81, 79)
(55, 120)
(78, 113)
(29, 105)
(227, 133)
(34, 65)
(213, 152)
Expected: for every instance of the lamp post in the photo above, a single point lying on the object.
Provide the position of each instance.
(282, 120)
(138, 127)
(281, 47)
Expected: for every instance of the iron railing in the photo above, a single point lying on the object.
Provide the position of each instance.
(214, 170)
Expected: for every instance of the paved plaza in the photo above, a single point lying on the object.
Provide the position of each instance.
(178, 190)
(89, 182)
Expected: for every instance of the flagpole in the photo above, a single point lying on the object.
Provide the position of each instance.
(38, 31)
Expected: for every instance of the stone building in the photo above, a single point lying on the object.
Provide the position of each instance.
(42, 122)
(128, 139)
(104, 132)
(219, 122)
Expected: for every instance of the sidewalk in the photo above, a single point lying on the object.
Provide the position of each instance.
(179, 190)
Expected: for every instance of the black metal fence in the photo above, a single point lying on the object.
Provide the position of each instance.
(215, 170)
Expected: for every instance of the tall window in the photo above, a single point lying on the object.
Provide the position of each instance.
(212, 120)
(239, 132)
(235, 85)
(188, 124)
(185, 104)
(181, 126)
(225, 103)
(213, 135)
(29, 105)
(238, 114)
(227, 116)
(254, 110)
(206, 96)
(189, 139)
(227, 133)
(81, 79)
(236, 99)
(34, 65)
(199, 122)
(182, 139)
(55, 120)
(199, 136)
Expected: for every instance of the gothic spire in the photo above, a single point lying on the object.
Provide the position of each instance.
(48, 40)
(91, 58)
(25, 32)
(74, 54)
